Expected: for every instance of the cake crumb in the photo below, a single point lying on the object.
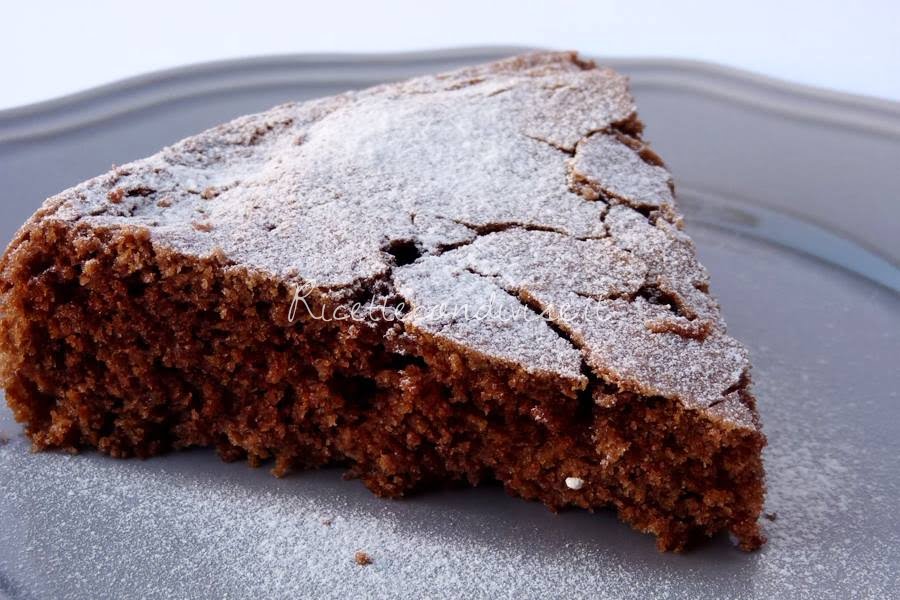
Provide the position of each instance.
(115, 195)
(164, 202)
(771, 516)
(204, 226)
(574, 483)
(538, 415)
(327, 522)
(362, 558)
(209, 193)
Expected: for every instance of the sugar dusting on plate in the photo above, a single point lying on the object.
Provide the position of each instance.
(96, 525)
(188, 526)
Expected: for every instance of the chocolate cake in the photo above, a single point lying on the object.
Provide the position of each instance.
(466, 277)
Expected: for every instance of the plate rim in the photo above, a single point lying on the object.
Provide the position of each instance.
(96, 104)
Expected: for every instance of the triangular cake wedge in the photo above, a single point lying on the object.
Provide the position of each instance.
(473, 276)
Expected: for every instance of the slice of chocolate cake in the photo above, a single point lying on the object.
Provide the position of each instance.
(472, 276)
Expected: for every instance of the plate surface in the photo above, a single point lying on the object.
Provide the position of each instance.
(792, 198)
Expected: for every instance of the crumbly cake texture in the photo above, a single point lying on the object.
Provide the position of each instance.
(525, 306)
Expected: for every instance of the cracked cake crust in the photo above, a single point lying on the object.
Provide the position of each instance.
(520, 191)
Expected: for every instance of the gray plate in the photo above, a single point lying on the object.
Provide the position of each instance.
(792, 197)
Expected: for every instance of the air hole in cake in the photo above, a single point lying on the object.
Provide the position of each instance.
(647, 211)
(654, 295)
(66, 291)
(399, 362)
(40, 263)
(404, 252)
(585, 408)
(357, 391)
(263, 309)
(140, 191)
(135, 286)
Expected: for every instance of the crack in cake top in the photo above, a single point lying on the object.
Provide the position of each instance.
(525, 179)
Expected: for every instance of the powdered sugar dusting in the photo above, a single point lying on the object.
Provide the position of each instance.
(468, 309)
(607, 164)
(619, 347)
(320, 191)
(540, 260)
(671, 261)
(317, 189)
(586, 288)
